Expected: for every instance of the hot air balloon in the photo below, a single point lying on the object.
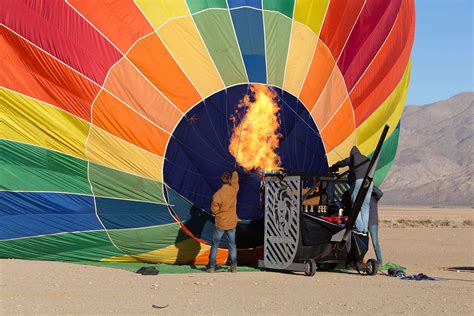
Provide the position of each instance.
(118, 117)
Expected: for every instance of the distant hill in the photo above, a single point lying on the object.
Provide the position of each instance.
(434, 162)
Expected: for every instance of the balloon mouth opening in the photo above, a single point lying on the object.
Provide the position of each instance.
(226, 131)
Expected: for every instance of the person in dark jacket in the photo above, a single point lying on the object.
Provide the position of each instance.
(374, 223)
(358, 166)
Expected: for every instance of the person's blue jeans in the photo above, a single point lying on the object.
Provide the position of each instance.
(374, 235)
(216, 239)
(362, 221)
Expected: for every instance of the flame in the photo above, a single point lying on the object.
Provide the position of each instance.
(255, 138)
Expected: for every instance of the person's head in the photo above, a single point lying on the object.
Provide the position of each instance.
(225, 178)
(354, 151)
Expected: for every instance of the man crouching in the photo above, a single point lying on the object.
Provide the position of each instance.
(224, 207)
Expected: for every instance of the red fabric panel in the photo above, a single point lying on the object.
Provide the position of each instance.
(388, 67)
(28, 70)
(58, 29)
(120, 21)
(374, 24)
(340, 19)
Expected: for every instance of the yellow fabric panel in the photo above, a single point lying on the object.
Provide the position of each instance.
(368, 133)
(311, 13)
(342, 151)
(185, 44)
(160, 11)
(30, 121)
(108, 150)
(302, 45)
(168, 254)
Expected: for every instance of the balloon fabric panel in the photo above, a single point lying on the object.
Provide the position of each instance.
(62, 32)
(108, 150)
(387, 68)
(116, 118)
(284, 7)
(38, 213)
(31, 168)
(216, 29)
(163, 72)
(248, 26)
(30, 121)
(113, 183)
(121, 22)
(389, 113)
(340, 126)
(320, 70)
(133, 88)
(277, 41)
(339, 22)
(372, 28)
(30, 71)
(184, 42)
(302, 46)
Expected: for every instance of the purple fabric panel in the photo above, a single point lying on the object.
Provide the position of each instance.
(369, 33)
(58, 29)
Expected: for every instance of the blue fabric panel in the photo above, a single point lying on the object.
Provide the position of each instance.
(241, 3)
(248, 25)
(26, 214)
(117, 214)
(199, 223)
(197, 154)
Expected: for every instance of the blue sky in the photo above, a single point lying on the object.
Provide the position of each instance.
(443, 51)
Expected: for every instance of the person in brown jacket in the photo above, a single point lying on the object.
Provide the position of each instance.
(224, 207)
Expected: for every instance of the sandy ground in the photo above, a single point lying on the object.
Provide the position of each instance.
(29, 287)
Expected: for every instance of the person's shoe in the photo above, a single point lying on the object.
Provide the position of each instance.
(233, 268)
(210, 270)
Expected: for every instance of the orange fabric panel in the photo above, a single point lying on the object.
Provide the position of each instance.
(221, 258)
(120, 21)
(116, 118)
(28, 70)
(387, 68)
(340, 126)
(126, 83)
(339, 21)
(331, 99)
(156, 63)
(318, 74)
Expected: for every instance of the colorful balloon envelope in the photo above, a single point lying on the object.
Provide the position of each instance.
(119, 116)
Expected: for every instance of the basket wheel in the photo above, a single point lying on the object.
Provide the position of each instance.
(310, 268)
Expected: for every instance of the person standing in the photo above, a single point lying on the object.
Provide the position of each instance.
(358, 166)
(224, 207)
(374, 223)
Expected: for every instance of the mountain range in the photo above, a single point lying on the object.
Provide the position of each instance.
(434, 161)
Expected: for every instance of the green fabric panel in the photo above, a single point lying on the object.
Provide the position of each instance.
(141, 240)
(217, 31)
(199, 5)
(32, 168)
(387, 155)
(90, 246)
(283, 6)
(162, 267)
(277, 36)
(113, 183)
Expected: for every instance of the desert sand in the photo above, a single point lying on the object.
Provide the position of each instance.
(35, 287)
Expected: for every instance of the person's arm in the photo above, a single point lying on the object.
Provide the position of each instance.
(343, 163)
(377, 193)
(235, 181)
(216, 203)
